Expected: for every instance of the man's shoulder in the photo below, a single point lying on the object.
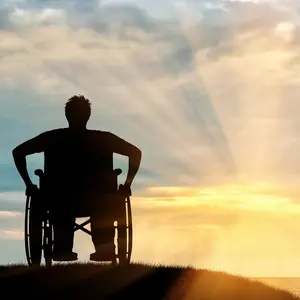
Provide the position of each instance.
(54, 132)
(100, 133)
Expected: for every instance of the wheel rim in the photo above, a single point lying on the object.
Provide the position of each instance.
(33, 231)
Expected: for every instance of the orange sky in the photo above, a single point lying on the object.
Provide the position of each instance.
(249, 229)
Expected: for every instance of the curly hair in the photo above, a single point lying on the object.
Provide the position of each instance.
(78, 109)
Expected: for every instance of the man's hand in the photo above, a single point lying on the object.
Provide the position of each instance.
(31, 190)
(125, 189)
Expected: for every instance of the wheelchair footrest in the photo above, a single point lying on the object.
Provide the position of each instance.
(102, 256)
(65, 257)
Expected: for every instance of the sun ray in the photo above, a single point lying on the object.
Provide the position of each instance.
(222, 141)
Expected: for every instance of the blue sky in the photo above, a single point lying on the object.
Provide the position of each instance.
(209, 92)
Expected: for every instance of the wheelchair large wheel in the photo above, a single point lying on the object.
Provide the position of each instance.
(125, 236)
(38, 233)
(128, 229)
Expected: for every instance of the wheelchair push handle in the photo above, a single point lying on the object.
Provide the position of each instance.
(118, 171)
(39, 172)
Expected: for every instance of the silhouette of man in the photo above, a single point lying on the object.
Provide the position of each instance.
(78, 172)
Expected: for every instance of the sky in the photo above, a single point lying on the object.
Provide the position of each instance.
(209, 91)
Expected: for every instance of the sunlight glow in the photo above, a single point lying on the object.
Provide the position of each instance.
(255, 196)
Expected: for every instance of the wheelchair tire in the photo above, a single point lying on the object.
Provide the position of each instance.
(125, 230)
(129, 230)
(38, 233)
(33, 231)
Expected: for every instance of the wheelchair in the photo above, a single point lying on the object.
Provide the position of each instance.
(39, 235)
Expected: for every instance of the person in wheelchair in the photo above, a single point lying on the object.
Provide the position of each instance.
(78, 174)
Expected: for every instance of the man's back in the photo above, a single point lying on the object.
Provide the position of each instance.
(78, 161)
(78, 165)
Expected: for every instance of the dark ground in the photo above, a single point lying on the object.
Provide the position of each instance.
(135, 281)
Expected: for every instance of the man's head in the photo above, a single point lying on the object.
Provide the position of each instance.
(78, 111)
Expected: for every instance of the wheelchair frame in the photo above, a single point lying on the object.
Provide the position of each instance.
(39, 230)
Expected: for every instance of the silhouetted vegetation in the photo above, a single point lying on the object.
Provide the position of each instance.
(135, 281)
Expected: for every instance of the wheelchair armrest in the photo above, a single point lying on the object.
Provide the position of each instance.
(39, 172)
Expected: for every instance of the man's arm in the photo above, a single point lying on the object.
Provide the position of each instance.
(134, 154)
(34, 145)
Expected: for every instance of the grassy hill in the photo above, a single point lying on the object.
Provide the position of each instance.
(135, 281)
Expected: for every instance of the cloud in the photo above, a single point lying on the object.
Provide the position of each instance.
(119, 19)
(286, 30)
(45, 17)
(168, 76)
(4, 18)
(58, 71)
(12, 207)
(14, 234)
(221, 228)
(12, 203)
(8, 214)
